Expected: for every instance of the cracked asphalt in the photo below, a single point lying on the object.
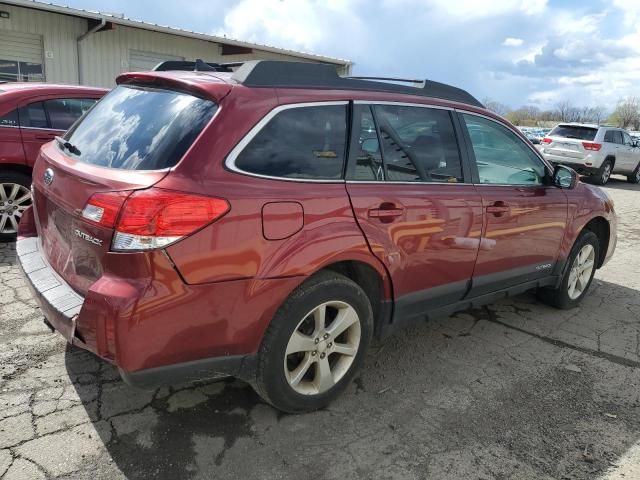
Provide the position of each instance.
(516, 390)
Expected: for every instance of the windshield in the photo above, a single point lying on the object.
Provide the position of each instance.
(572, 131)
(139, 128)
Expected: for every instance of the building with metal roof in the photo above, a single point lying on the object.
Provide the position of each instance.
(55, 43)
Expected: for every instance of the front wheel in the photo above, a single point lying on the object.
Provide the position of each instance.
(315, 344)
(635, 176)
(578, 275)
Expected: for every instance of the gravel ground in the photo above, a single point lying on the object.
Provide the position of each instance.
(516, 390)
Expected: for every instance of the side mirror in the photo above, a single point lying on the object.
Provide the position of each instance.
(565, 177)
(370, 145)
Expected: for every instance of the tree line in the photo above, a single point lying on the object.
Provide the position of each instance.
(626, 114)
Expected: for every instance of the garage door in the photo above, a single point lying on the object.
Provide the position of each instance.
(21, 57)
(145, 61)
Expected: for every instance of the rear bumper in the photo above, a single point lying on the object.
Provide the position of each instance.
(58, 301)
(142, 317)
(578, 165)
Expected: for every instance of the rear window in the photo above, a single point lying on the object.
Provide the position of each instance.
(574, 131)
(140, 128)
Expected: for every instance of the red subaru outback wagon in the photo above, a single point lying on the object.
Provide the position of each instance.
(32, 114)
(266, 223)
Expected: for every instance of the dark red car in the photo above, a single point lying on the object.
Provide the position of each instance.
(32, 114)
(266, 223)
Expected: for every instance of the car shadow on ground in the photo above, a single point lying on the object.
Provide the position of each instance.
(516, 389)
(617, 182)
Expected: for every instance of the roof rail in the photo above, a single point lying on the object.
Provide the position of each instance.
(389, 79)
(197, 66)
(277, 73)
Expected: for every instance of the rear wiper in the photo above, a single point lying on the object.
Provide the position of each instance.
(68, 145)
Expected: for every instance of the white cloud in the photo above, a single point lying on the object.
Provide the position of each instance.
(557, 52)
(512, 42)
(306, 24)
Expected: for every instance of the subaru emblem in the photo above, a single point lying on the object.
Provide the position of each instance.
(48, 176)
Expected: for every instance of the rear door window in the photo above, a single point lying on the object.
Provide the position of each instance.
(418, 144)
(617, 137)
(574, 131)
(34, 116)
(9, 119)
(300, 142)
(365, 155)
(63, 112)
(140, 128)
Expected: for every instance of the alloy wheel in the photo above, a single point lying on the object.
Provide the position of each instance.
(14, 200)
(606, 173)
(581, 270)
(322, 348)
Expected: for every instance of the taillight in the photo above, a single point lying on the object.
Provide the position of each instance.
(155, 218)
(546, 140)
(592, 146)
(102, 208)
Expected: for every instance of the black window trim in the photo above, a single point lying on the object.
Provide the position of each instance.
(476, 176)
(230, 161)
(467, 171)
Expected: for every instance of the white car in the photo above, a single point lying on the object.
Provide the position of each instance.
(594, 150)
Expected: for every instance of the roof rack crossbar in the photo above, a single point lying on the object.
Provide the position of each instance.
(284, 74)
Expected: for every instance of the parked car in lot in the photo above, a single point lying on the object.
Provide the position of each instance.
(31, 114)
(594, 150)
(267, 223)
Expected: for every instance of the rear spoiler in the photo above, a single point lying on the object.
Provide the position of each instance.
(210, 90)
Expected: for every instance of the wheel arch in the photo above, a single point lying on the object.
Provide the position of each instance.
(376, 285)
(16, 168)
(611, 158)
(600, 226)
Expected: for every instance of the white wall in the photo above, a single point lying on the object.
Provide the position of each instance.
(105, 55)
(59, 33)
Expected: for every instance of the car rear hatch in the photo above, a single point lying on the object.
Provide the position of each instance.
(573, 142)
(126, 144)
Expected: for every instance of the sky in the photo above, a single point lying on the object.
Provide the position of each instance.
(518, 52)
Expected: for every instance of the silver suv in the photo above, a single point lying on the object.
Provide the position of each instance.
(594, 150)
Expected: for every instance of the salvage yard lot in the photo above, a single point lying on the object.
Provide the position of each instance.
(514, 390)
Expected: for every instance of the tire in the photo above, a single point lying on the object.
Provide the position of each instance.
(280, 377)
(604, 174)
(635, 176)
(15, 197)
(564, 297)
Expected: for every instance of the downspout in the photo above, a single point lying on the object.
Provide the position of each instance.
(99, 26)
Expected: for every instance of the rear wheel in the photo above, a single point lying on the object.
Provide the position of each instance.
(315, 344)
(15, 198)
(577, 276)
(635, 176)
(602, 177)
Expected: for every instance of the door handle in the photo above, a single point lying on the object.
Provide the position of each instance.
(386, 212)
(45, 137)
(498, 209)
